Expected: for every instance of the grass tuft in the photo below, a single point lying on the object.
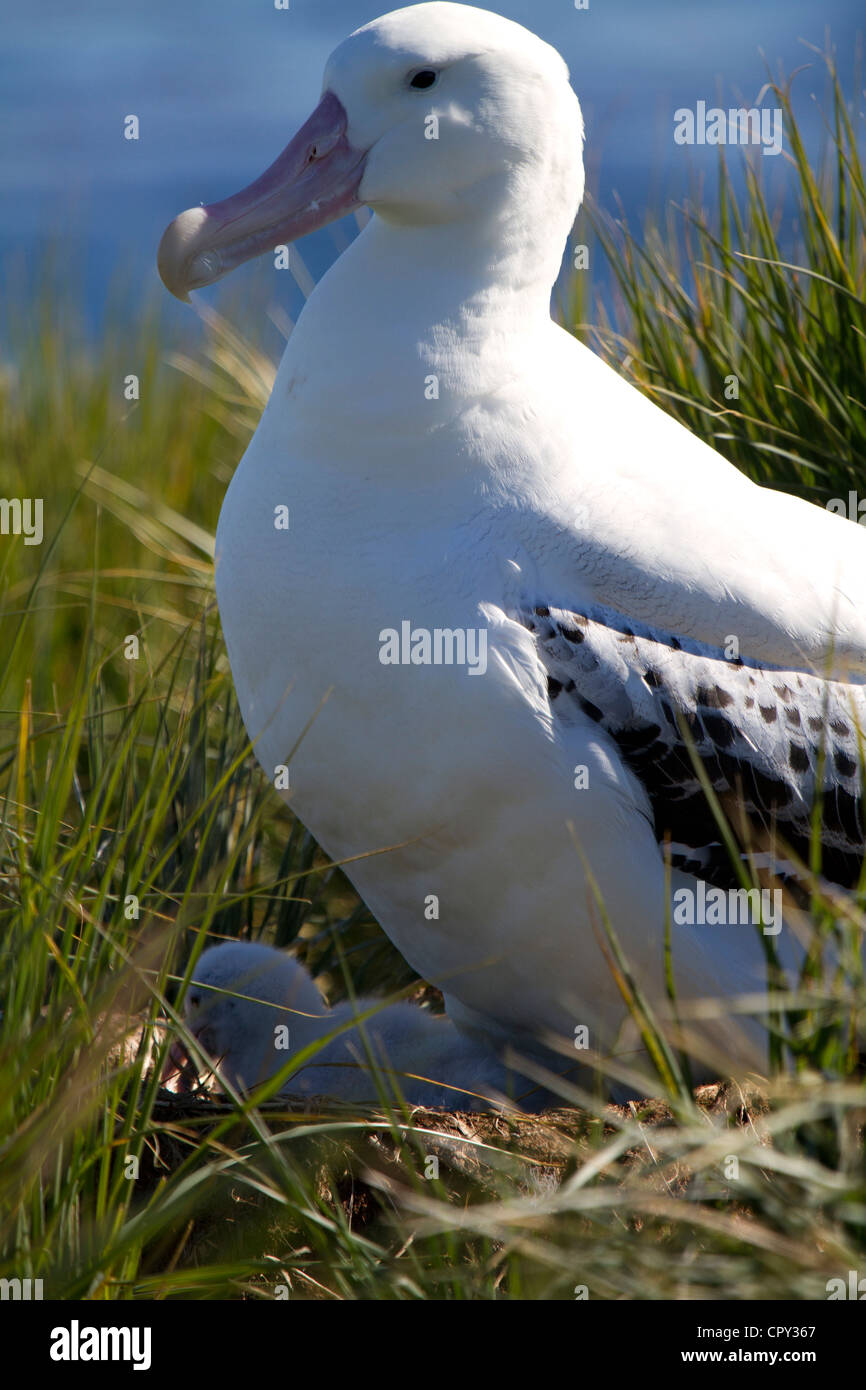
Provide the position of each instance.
(135, 827)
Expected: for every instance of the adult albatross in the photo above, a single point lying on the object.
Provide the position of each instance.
(519, 580)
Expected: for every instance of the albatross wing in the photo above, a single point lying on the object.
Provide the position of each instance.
(787, 743)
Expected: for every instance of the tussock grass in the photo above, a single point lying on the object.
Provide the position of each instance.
(771, 294)
(135, 827)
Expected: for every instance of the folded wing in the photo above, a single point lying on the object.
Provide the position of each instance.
(783, 745)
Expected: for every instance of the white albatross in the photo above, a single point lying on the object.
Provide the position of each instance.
(252, 1008)
(463, 477)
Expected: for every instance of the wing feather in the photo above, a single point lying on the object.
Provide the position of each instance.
(780, 741)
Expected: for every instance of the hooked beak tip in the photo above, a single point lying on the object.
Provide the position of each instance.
(179, 267)
(316, 179)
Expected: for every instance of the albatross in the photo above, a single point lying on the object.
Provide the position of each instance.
(252, 1008)
(515, 599)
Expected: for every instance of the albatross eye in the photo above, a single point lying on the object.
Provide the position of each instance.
(423, 78)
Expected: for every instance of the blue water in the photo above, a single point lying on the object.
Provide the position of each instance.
(220, 85)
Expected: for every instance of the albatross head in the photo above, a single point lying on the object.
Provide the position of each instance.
(240, 993)
(434, 114)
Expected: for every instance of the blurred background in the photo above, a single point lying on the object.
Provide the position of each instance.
(126, 777)
(219, 86)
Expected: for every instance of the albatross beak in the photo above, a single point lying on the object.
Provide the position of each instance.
(315, 180)
(178, 1064)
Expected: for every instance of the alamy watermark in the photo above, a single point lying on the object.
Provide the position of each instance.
(22, 516)
(854, 508)
(740, 125)
(852, 1288)
(737, 907)
(77, 1343)
(21, 1289)
(438, 646)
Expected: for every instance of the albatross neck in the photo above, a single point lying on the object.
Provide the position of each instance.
(470, 271)
(408, 329)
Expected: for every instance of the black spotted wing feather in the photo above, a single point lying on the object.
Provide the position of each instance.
(775, 739)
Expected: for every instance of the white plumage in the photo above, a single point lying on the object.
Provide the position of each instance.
(252, 1008)
(452, 459)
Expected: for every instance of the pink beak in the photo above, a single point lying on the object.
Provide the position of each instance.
(180, 1064)
(315, 180)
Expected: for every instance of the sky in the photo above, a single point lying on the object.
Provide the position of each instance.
(219, 87)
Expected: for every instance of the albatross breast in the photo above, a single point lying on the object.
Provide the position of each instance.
(451, 458)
